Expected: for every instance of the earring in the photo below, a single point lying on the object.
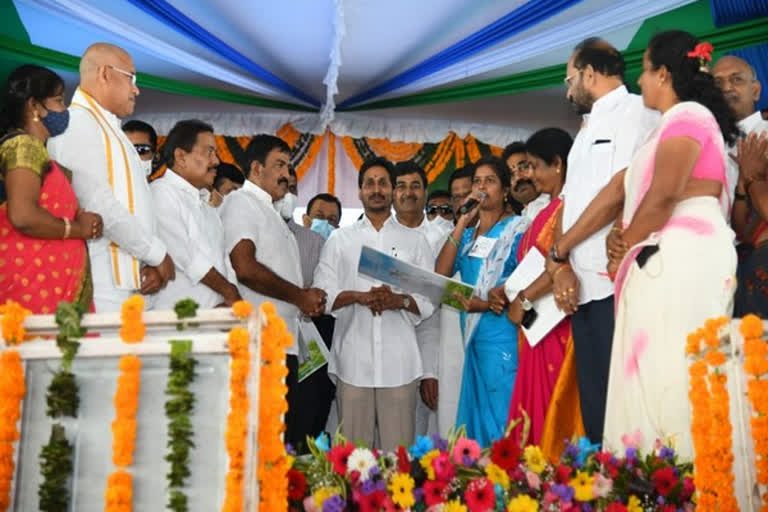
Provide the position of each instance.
(35, 118)
(557, 170)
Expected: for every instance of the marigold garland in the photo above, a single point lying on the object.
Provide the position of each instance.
(711, 427)
(118, 496)
(12, 384)
(133, 329)
(274, 462)
(756, 368)
(242, 309)
(237, 419)
(13, 315)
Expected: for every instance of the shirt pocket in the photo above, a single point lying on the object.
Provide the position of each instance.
(601, 159)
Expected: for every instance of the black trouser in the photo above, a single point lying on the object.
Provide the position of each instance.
(592, 327)
(309, 402)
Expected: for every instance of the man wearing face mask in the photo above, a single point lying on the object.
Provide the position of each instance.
(191, 228)
(144, 139)
(109, 178)
(323, 214)
(265, 256)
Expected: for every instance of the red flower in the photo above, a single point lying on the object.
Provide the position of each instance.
(297, 485)
(688, 488)
(702, 51)
(616, 507)
(563, 473)
(505, 453)
(373, 502)
(338, 457)
(444, 470)
(664, 480)
(604, 458)
(403, 464)
(480, 495)
(434, 492)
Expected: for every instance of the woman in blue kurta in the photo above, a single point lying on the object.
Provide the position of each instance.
(482, 249)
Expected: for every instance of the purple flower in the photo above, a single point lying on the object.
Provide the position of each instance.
(334, 504)
(631, 453)
(440, 443)
(564, 492)
(369, 487)
(660, 500)
(666, 453)
(586, 507)
(571, 450)
(418, 494)
(290, 449)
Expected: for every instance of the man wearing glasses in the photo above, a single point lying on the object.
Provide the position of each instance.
(109, 178)
(144, 139)
(439, 204)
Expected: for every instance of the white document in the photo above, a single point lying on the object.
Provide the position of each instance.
(548, 315)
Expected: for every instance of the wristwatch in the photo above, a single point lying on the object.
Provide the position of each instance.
(406, 302)
(554, 256)
(525, 303)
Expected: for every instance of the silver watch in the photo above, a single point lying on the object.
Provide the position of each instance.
(406, 302)
(527, 304)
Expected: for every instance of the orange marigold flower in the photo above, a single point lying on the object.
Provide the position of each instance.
(715, 358)
(242, 309)
(12, 323)
(755, 366)
(698, 368)
(751, 326)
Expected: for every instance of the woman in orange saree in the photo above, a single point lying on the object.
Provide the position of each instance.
(43, 255)
(545, 387)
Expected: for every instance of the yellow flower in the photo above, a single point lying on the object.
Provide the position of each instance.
(634, 504)
(582, 486)
(497, 475)
(454, 506)
(323, 494)
(523, 503)
(426, 463)
(401, 488)
(534, 459)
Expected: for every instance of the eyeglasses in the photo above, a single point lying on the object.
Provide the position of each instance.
(124, 72)
(568, 79)
(143, 149)
(521, 166)
(443, 209)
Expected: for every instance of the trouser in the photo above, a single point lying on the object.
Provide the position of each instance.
(294, 430)
(312, 405)
(391, 409)
(592, 326)
(426, 418)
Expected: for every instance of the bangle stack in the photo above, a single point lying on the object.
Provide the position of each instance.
(453, 241)
(67, 227)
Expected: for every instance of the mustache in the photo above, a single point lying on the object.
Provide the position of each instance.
(376, 196)
(523, 182)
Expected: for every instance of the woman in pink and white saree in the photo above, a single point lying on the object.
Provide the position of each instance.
(680, 267)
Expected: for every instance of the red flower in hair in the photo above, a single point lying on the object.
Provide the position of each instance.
(703, 52)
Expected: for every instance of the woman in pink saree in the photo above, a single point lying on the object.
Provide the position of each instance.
(545, 387)
(672, 249)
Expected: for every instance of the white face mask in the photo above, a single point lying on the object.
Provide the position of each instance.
(286, 205)
(147, 165)
(442, 223)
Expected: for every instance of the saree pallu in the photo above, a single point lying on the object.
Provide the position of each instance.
(39, 273)
(546, 387)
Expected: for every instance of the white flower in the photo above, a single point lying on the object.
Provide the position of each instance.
(601, 486)
(361, 460)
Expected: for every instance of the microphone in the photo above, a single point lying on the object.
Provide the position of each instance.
(471, 203)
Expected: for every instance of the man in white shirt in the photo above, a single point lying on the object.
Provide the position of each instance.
(109, 179)
(409, 199)
(190, 228)
(264, 253)
(616, 123)
(375, 355)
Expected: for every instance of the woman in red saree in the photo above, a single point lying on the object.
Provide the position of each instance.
(43, 255)
(545, 387)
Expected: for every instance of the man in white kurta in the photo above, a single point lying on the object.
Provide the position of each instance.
(109, 179)
(375, 356)
(189, 226)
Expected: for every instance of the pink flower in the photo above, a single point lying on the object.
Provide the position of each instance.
(601, 486)
(309, 504)
(466, 451)
(444, 469)
(534, 481)
(633, 440)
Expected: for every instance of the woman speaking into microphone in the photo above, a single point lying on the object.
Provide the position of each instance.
(482, 249)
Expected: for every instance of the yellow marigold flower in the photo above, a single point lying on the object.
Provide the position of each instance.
(242, 309)
(401, 488)
(634, 504)
(523, 503)
(426, 463)
(497, 475)
(582, 486)
(454, 506)
(534, 459)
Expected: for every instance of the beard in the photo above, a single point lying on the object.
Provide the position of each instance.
(581, 100)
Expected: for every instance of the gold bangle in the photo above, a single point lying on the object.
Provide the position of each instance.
(67, 227)
(558, 269)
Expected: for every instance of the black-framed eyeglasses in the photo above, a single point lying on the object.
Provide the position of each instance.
(143, 149)
(442, 209)
(521, 166)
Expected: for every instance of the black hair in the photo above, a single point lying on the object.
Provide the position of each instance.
(513, 148)
(183, 135)
(599, 54)
(24, 83)
(462, 172)
(409, 167)
(328, 198)
(230, 172)
(261, 146)
(292, 172)
(499, 166)
(134, 125)
(437, 194)
(549, 143)
(379, 161)
(670, 49)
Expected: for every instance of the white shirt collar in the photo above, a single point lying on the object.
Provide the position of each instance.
(180, 183)
(750, 123)
(83, 98)
(366, 222)
(258, 192)
(609, 101)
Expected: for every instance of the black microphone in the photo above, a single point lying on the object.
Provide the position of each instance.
(471, 204)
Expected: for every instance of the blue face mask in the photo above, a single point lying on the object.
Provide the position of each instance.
(56, 122)
(321, 227)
